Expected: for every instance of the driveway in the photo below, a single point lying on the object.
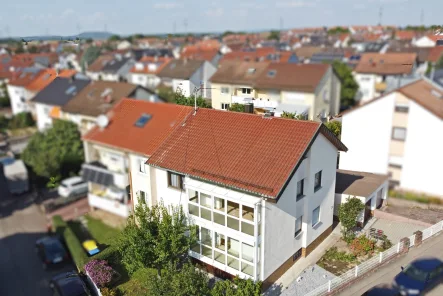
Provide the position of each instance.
(21, 272)
(382, 278)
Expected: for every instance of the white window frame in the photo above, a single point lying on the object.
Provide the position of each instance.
(401, 130)
(226, 92)
(318, 218)
(225, 106)
(298, 226)
(142, 166)
(300, 184)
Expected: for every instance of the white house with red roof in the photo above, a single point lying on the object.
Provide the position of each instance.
(260, 189)
(116, 152)
(427, 40)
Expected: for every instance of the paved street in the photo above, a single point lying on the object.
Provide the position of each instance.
(384, 276)
(21, 272)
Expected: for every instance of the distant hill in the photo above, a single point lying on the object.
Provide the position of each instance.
(95, 35)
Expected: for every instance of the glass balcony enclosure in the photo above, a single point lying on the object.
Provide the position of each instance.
(224, 212)
(235, 252)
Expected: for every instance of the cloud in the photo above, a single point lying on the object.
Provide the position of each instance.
(215, 12)
(296, 3)
(168, 5)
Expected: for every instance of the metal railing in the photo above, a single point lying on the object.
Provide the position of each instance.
(353, 274)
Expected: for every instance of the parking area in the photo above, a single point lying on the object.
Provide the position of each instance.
(21, 272)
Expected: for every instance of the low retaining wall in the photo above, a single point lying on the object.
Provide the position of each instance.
(392, 217)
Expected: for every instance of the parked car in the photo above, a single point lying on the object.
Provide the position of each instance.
(69, 284)
(72, 186)
(51, 251)
(419, 276)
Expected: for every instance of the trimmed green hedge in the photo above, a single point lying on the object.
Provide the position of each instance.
(74, 245)
(421, 198)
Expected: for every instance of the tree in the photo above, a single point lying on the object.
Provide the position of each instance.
(90, 55)
(21, 120)
(33, 49)
(294, 115)
(155, 237)
(349, 87)
(183, 281)
(348, 213)
(19, 49)
(114, 38)
(274, 35)
(335, 127)
(237, 287)
(57, 152)
(181, 99)
(4, 100)
(236, 107)
(338, 30)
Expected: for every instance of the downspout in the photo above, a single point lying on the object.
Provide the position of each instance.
(256, 209)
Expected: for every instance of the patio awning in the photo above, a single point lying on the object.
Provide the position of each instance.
(97, 175)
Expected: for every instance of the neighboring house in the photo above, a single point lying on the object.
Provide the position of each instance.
(438, 77)
(125, 44)
(373, 69)
(188, 76)
(371, 189)
(392, 135)
(43, 60)
(249, 54)
(305, 53)
(113, 68)
(115, 155)
(312, 90)
(98, 98)
(261, 190)
(69, 61)
(17, 89)
(52, 98)
(427, 41)
(145, 71)
(94, 70)
(210, 55)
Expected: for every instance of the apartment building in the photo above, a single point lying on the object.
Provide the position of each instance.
(145, 71)
(260, 189)
(115, 154)
(393, 134)
(312, 90)
(98, 98)
(373, 69)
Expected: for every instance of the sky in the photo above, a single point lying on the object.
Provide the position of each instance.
(20, 18)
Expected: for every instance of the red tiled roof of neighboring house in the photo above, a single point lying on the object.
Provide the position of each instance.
(12, 69)
(435, 38)
(233, 72)
(99, 63)
(122, 133)
(342, 37)
(206, 44)
(256, 54)
(372, 37)
(242, 151)
(24, 79)
(45, 77)
(289, 76)
(423, 92)
(405, 35)
(435, 53)
(199, 54)
(30, 57)
(161, 62)
(386, 63)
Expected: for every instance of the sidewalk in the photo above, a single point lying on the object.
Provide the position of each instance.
(303, 263)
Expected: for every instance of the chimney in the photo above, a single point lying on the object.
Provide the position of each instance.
(249, 108)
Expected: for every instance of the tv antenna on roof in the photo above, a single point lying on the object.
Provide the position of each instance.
(102, 121)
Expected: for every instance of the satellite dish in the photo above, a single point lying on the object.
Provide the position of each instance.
(102, 121)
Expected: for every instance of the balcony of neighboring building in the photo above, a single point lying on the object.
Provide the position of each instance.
(110, 198)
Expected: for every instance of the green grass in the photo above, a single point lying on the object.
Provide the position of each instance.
(137, 285)
(421, 198)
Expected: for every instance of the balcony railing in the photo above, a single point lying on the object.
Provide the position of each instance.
(258, 102)
(110, 205)
(98, 173)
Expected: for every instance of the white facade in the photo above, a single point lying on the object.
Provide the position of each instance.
(424, 42)
(188, 86)
(145, 80)
(243, 234)
(44, 120)
(366, 86)
(413, 163)
(19, 102)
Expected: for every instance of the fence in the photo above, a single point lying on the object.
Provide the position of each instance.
(342, 281)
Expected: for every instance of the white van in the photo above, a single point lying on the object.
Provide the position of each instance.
(73, 186)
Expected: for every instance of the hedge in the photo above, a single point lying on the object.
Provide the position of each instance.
(74, 245)
(421, 198)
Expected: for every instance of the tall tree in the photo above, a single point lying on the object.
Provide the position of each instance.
(155, 237)
(114, 38)
(57, 152)
(349, 87)
(348, 213)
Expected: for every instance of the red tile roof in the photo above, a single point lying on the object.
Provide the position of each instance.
(23, 79)
(121, 132)
(405, 35)
(199, 54)
(161, 62)
(45, 77)
(239, 150)
(435, 53)
(392, 63)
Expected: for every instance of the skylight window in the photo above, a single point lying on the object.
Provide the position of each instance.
(251, 70)
(71, 90)
(141, 122)
(272, 73)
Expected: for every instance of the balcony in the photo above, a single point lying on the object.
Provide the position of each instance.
(107, 203)
(96, 172)
(258, 102)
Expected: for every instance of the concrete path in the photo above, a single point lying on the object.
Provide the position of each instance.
(309, 279)
(287, 279)
(384, 276)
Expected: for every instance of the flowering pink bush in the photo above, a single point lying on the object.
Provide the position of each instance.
(100, 272)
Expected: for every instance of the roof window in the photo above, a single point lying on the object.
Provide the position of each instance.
(272, 73)
(71, 90)
(141, 122)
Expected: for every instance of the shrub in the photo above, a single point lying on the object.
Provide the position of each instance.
(334, 254)
(362, 245)
(21, 120)
(108, 292)
(100, 272)
(386, 243)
